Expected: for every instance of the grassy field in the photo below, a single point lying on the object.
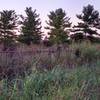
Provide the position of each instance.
(71, 73)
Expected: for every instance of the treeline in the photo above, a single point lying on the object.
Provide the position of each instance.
(59, 27)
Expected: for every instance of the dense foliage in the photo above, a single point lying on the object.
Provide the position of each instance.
(31, 28)
(8, 25)
(90, 22)
(58, 24)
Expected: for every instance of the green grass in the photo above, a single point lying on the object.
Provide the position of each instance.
(79, 81)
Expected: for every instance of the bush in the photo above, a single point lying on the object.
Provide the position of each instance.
(88, 53)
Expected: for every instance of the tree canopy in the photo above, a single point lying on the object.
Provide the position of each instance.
(90, 22)
(57, 26)
(31, 27)
(8, 25)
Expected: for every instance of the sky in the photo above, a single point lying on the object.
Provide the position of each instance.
(43, 7)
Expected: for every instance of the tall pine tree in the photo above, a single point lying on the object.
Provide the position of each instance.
(90, 22)
(8, 25)
(31, 28)
(57, 26)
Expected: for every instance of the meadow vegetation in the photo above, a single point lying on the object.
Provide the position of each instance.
(65, 65)
(73, 73)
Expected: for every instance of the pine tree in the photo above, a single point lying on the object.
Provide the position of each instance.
(8, 25)
(90, 22)
(57, 26)
(31, 28)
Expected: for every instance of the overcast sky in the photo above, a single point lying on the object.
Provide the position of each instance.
(72, 7)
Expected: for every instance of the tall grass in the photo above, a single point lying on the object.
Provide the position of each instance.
(82, 83)
(69, 77)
